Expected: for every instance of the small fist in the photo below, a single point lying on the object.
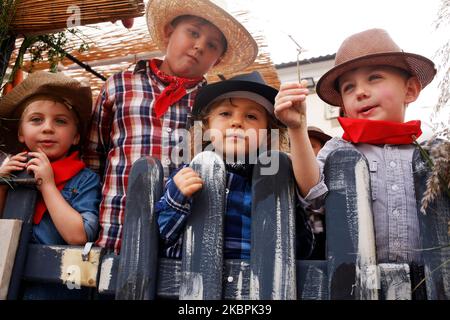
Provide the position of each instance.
(290, 104)
(188, 181)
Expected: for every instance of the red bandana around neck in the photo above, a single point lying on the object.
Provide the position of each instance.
(63, 170)
(175, 90)
(379, 131)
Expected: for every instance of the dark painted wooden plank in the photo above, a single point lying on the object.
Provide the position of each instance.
(19, 205)
(312, 279)
(351, 251)
(62, 264)
(434, 228)
(203, 238)
(395, 281)
(139, 253)
(273, 272)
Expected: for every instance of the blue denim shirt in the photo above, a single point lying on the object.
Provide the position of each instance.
(83, 193)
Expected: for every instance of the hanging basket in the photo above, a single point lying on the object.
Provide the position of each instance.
(43, 16)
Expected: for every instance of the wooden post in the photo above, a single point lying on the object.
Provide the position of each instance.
(139, 254)
(273, 269)
(351, 255)
(202, 262)
(9, 240)
(19, 205)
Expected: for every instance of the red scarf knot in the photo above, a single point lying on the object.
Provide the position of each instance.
(63, 170)
(175, 90)
(379, 131)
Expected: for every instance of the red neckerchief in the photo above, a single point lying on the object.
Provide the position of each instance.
(63, 170)
(379, 131)
(175, 90)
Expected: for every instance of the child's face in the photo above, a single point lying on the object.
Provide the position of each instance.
(316, 144)
(377, 93)
(235, 126)
(193, 48)
(50, 126)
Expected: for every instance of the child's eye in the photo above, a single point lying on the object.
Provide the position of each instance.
(194, 33)
(347, 87)
(374, 77)
(212, 46)
(36, 119)
(224, 113)
(61, 121)
(252, 117)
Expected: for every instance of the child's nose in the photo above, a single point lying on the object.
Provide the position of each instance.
(236, 122)
(47, 126)
(361, 92)
(199, 45)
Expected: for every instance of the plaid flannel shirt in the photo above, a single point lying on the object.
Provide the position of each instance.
(173, 209)
(123, 129)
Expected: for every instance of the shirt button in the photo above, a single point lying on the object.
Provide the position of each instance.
(393, 164)
(230, 279)
(395, 212)
(394, 187)
(227, 190)
(167, 161)
(169, 129)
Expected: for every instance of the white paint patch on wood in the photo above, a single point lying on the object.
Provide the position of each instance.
(192, 286)
(278, 259)
(9, 240)
(366, 266)
(105, 274)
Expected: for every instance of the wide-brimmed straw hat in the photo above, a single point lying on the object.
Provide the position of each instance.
(74, 94)
(249, 86)
(314, 132)
(241, 47)
(369, 48)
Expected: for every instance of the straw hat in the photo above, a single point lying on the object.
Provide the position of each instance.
(369, 48)
(317, 133)
(72, 93)
(241, 47)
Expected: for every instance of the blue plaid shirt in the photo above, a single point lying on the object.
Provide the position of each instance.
(173, 209)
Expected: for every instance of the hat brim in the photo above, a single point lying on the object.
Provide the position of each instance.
(242, 49)
(415, 64)
(323, 137)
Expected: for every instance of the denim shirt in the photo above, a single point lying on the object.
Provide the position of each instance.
(83, 193)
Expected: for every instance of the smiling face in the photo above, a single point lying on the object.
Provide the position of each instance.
(50, 126)
(194, 46)
(235, 126)
(377, 93)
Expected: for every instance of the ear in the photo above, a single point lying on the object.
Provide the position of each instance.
(168, 30)
(76, 139)
(413, 88)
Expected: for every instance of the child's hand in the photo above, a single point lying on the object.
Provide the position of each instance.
(17, 162)
(290, 104)
(42, 169)
(188, 181)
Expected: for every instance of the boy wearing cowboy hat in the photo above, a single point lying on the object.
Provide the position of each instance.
(43, 119)
(373, 80)
(137, 112)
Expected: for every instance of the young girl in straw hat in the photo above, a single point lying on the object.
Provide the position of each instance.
(373, 80)
(50, 111)
(232, 111)
(138, 111)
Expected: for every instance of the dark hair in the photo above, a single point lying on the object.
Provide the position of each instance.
(202, 21)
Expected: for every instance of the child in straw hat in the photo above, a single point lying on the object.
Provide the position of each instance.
(137, 112)
(373, 80)
(48, 112)
(237, 115)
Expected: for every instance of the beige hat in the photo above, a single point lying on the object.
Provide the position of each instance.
(369, 48)
(314, 132)
(241, 47)
(71, 92)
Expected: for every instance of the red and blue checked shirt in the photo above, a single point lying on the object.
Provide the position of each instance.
(124, 128)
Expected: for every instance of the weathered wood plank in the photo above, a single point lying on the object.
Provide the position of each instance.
(9, 241)
(19, 205)
(139, 253)
(395, 281)
(434, 228)
(62, 264)
(202, 261)
(273, 272)
(107, 280)
(312, 279)
(351, 253)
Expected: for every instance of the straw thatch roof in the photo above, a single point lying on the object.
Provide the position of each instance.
(114, 48)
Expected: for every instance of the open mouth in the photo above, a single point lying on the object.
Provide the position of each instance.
(366, 110)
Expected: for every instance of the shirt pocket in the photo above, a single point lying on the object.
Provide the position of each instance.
(373, 168)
